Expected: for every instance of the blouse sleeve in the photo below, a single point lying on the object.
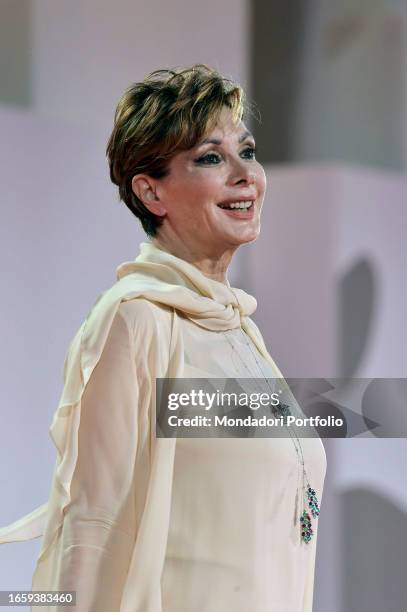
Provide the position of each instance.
(99, 527)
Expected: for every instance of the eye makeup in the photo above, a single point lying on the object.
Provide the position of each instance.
(203, 158)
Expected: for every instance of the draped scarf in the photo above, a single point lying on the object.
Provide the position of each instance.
(163, 278)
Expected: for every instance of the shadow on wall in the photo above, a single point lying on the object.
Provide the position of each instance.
(384, 402)
(357, 290)
(15, 52)
(277, 44)
(374, 553)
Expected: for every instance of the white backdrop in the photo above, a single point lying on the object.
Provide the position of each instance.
(63, 233)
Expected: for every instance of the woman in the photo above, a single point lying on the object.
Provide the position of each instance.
(136, 523)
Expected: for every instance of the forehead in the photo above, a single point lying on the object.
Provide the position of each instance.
(225, 125)
(223, 130)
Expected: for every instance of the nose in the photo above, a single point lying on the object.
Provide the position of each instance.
(247, 178)
(242, 173)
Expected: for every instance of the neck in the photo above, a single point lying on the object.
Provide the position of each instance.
(212, 265)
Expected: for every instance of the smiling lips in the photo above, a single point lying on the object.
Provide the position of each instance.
(239, 210)
(243, 205)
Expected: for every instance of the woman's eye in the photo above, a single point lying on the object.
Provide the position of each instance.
(210, 158)
(251, 151)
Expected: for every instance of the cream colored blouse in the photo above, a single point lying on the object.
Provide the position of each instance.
(139, 524)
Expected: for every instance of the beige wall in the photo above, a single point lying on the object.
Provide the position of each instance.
(85, 53)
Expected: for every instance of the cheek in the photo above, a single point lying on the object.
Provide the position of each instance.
(188, 201)
(261, 179)
(205, 185)
(198, 192)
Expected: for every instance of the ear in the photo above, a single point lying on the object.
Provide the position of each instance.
(144, 188)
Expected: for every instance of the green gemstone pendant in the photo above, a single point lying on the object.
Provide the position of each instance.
(306, 527)
(312, 502)
(305, 520)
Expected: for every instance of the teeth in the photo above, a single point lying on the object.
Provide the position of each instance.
(240, 205)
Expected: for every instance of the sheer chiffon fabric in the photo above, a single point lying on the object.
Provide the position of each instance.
(233, 543)
(139, 524)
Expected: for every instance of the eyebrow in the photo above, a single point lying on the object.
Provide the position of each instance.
(218, 142)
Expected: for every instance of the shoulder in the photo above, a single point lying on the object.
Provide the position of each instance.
(146, 319)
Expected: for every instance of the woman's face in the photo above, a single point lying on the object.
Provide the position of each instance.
(220, 170)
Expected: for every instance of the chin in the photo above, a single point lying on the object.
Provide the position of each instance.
(250, 235)
(245, 237)
(251, 238)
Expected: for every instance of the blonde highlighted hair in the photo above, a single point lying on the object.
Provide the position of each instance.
(167, 112)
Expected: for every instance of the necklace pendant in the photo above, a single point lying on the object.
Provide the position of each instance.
(306, 527)
(281, 410)
(312, 501)
(305, 520)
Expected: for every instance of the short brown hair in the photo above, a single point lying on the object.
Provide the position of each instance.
(168, 111)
